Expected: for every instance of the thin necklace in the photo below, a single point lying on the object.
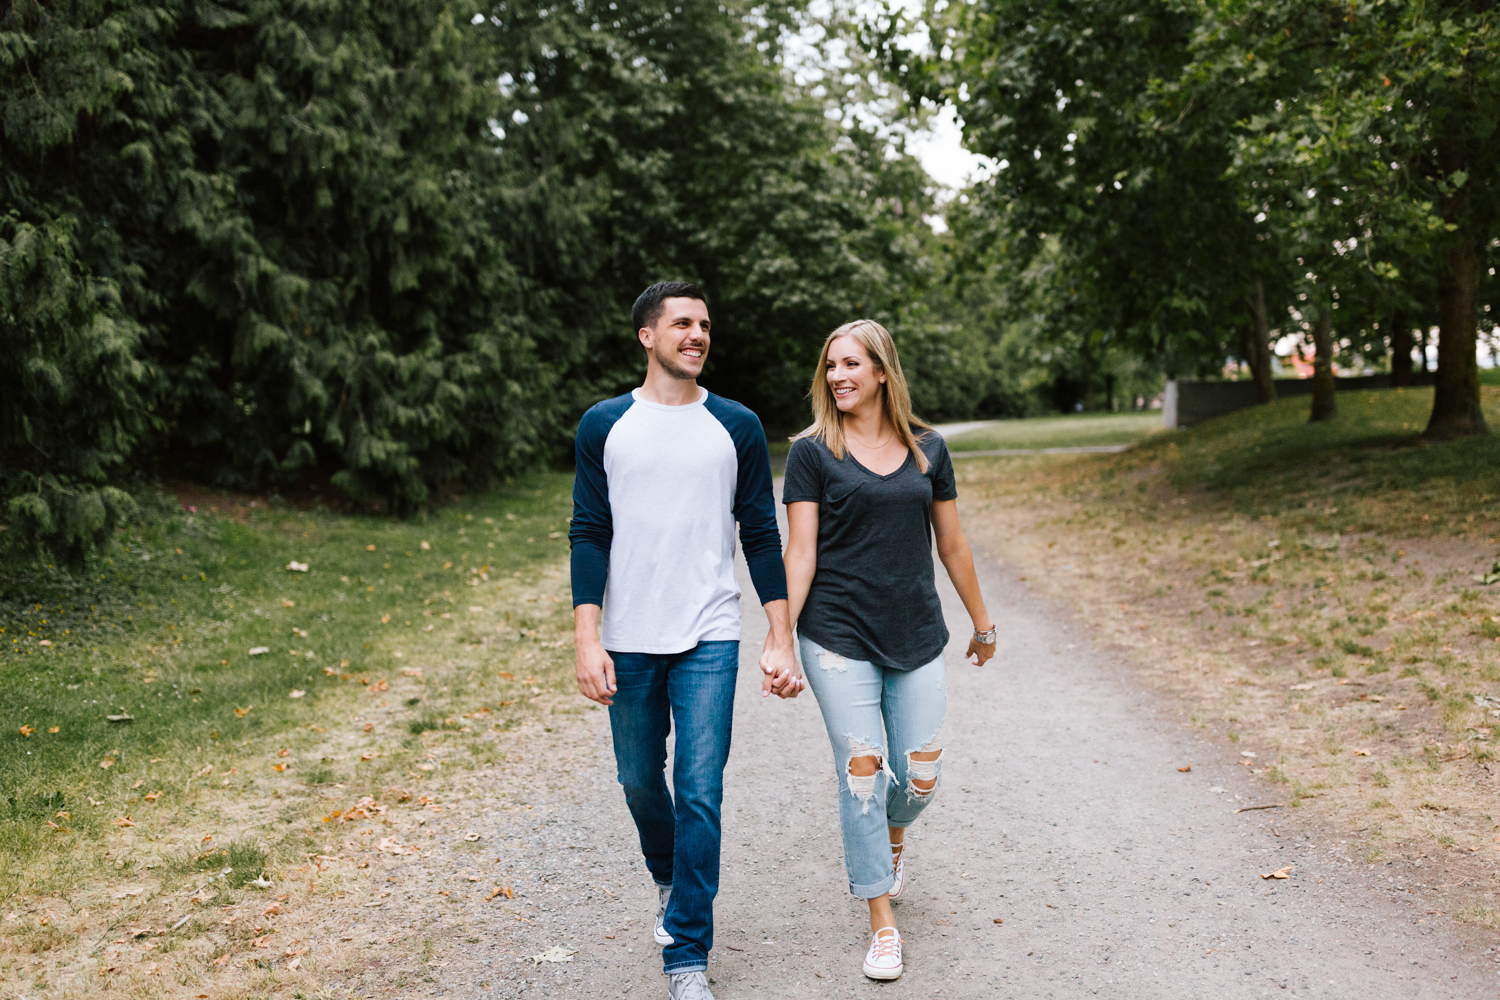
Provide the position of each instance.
(877, 447)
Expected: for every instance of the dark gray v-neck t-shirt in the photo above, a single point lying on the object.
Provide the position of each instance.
(873, 596)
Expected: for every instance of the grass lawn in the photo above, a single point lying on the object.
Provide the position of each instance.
(193, 705)
(1072, 431)
(1310, 593)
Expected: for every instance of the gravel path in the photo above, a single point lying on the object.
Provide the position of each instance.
(1062, 813)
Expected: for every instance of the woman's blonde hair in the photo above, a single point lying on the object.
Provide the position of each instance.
(828, 421)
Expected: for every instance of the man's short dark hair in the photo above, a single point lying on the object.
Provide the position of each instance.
(648, 307)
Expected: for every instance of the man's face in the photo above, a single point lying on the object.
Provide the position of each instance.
(678, 340)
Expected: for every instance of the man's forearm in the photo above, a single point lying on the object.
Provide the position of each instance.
(778, 614)
(586, 625)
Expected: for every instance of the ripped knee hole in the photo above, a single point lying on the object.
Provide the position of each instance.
(922, 769)
(865, 762)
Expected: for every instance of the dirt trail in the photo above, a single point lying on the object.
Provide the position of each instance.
(1062, 813)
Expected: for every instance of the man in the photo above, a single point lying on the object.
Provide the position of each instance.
(663, 474)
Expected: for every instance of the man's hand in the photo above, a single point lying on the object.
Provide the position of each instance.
(779, 664)
(777, 661)
(593, 666)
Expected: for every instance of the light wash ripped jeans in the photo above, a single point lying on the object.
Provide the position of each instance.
(862, 705)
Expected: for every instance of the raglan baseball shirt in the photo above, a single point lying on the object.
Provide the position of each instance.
(657, 492)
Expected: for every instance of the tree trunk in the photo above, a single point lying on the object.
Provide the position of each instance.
(1259, 348)
(1324, 405)
(1455, 396)
(1400, 350)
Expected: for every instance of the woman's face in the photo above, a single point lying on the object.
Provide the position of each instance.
(856, 381)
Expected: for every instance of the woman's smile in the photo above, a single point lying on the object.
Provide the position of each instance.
(851, 374)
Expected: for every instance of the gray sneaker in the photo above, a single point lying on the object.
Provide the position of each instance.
(689, 986)
(662, 896)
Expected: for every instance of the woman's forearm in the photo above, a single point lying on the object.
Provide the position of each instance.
(958, 560)
(801, 559)
(799, 576)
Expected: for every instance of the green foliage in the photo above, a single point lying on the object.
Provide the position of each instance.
(395, 244)
(1160, 159)
(75, 392)
(1116, 229)
(675, 131)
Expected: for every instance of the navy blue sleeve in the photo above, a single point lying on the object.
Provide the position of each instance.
(754, 499)
(593, 527)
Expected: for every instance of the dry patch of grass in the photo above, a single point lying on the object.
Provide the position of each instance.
(259, 840)
(1310, 595)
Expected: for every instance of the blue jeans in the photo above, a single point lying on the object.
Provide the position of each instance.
(862, 705)
(679, 839)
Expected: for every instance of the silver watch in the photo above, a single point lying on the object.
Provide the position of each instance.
(986, 638)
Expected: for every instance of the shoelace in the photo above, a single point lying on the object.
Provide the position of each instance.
(886, 947)
(694, 986)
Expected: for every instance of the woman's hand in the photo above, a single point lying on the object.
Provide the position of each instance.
(981, 651)
(778, 662)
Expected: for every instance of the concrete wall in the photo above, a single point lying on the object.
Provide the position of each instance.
(1189, 403)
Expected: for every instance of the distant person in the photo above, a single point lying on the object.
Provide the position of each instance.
(664, 472)
(867, 487)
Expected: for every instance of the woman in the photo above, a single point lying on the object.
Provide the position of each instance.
(867, 486)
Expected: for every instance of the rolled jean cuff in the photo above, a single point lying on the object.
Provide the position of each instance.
(660, 884)
(689, 966)
(875, 890)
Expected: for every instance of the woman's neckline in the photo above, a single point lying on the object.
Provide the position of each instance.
(869, 471)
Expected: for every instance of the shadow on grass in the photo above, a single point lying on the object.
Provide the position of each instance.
(1267, 459)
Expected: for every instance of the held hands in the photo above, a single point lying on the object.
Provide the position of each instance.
(779, 664)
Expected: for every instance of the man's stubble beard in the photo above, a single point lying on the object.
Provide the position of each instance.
(670, 366)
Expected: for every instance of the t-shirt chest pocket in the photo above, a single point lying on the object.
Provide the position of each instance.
(841, 496)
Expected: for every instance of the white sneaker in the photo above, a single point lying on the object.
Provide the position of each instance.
(688, 986)
(883, 960)
(898, 861)
(660, 933)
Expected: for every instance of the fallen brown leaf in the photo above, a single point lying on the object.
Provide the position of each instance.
(389, 845)
(1186, 769)
(1280, 872)
(123, 821)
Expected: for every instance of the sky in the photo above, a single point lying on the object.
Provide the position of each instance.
(939, 149)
